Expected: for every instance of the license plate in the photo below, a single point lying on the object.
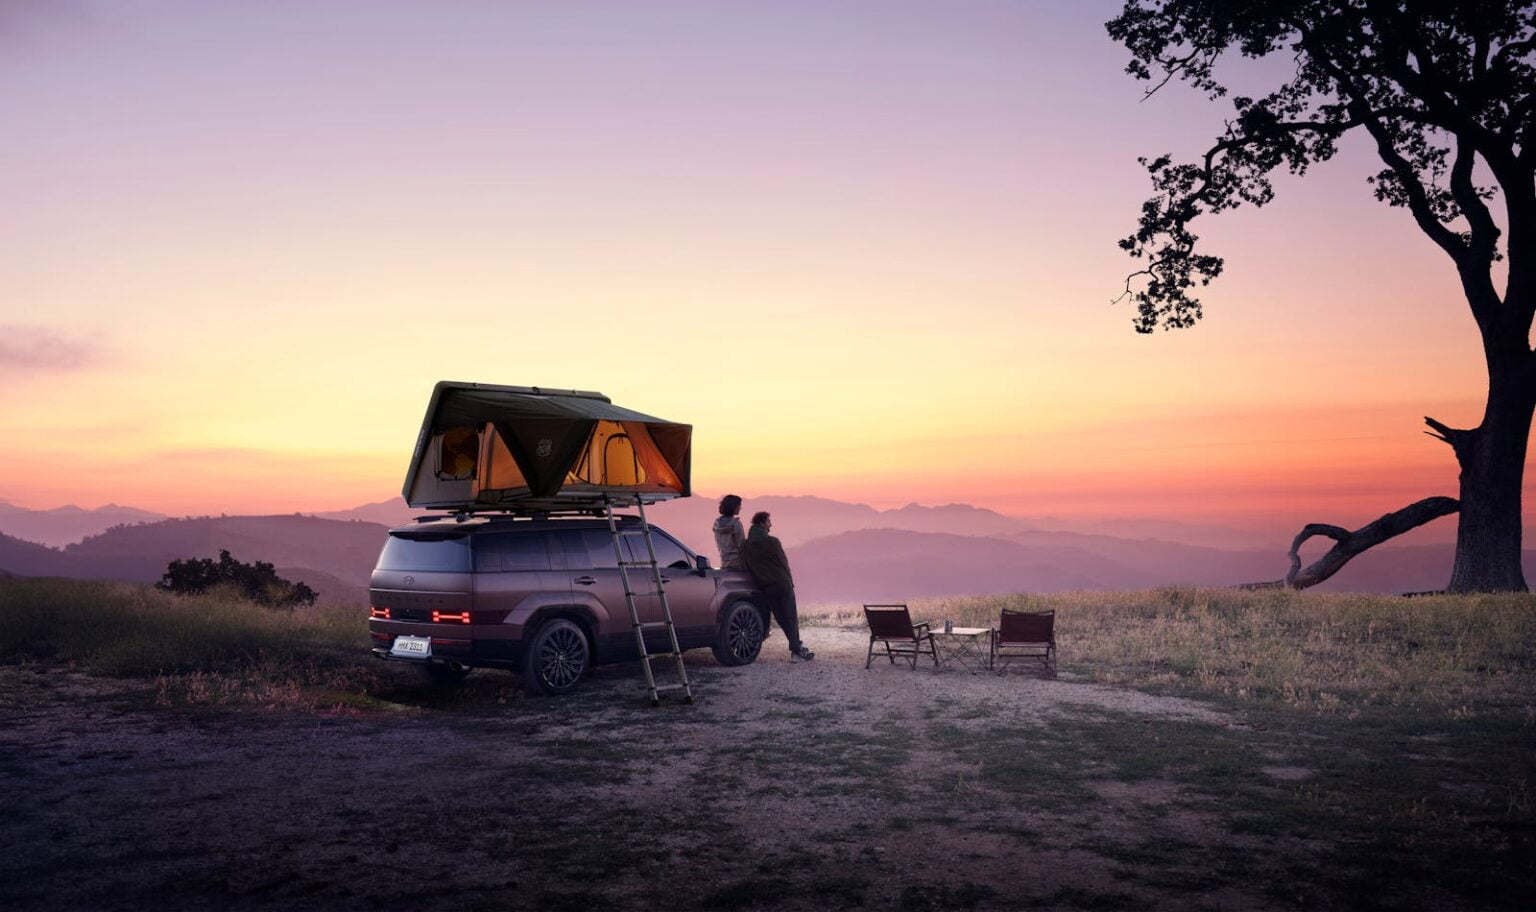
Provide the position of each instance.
(415, 647)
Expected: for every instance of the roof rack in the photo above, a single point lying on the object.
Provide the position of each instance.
(565, 503)
(511, 511)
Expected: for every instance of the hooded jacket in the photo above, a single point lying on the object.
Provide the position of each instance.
(728, 541)
(766, 560)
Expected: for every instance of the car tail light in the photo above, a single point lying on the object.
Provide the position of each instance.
(380, 613)
(449, 617)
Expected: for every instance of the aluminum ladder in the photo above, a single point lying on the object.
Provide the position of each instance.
(676, 653)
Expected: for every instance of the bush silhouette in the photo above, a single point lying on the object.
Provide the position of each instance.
(257, 582)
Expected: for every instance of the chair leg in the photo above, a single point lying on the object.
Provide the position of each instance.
(869, 656)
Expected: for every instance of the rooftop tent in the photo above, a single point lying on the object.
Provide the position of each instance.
(503, 447)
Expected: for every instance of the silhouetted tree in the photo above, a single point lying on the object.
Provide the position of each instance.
(1445, 90)
(258, 582)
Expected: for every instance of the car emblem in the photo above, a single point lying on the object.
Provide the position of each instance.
(546, 446)
(410, 580)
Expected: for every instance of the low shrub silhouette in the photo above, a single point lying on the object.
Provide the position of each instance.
(258, 582)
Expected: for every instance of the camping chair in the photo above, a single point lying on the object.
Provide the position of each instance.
(892, 625)
(1025, 635)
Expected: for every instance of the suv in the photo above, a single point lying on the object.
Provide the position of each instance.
(543, 597)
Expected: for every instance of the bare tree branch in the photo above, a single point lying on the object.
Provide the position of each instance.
(1350, 544)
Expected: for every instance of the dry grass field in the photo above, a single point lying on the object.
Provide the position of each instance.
(1200, 749)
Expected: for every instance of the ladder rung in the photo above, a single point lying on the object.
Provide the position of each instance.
(665, 687)
(653, 624)
(639, 594)
(661, 655)
(636, 564)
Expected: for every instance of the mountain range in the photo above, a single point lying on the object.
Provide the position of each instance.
(839, 551)
(68, 524)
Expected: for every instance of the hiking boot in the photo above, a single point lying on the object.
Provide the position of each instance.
(801, 655)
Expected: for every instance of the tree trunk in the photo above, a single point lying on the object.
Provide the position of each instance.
(1492, 459)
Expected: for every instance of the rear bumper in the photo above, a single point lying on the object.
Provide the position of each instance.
(450, 644)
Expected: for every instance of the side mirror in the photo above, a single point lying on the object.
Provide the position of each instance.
(701, 564)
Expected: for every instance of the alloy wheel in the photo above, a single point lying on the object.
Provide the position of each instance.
(745, 634)
(563, 657)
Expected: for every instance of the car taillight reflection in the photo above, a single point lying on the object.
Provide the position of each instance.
(448, 617)
(381, 613)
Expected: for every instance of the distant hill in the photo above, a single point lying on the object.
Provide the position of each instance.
(801, 519)
(858, 553)
(24, 558)
(1223, 537)
(68, 524)
(328, 588)
(335, 558)
(887, 564)
(392, 512)
(878, 564)
(346, 550)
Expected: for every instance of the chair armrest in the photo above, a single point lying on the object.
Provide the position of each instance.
(921, 625)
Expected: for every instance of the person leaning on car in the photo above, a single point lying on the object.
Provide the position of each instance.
(729, 536)
(769, 566)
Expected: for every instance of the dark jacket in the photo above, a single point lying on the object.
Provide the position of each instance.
(765, 559)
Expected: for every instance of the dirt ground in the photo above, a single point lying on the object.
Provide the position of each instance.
(786, 786)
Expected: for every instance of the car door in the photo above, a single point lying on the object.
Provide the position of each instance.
(592, 572)
(510, 567)
(690, 595)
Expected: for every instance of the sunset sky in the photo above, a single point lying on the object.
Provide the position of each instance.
(866, 249)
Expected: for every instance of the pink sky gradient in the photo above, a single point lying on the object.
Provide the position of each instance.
(867, 249)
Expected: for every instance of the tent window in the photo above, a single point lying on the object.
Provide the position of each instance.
(458, 452)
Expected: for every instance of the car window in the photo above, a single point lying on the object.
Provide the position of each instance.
(600, 549)
(510, 552)
(426, 553)
(668, 552)
(570, 546)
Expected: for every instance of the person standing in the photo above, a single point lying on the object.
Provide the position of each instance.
(769, 566)
(729, 536)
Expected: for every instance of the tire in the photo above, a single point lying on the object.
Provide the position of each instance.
(447, 674)
(558, 657)
(740, 636)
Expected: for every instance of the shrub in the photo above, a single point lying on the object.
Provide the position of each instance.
(258, 582)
